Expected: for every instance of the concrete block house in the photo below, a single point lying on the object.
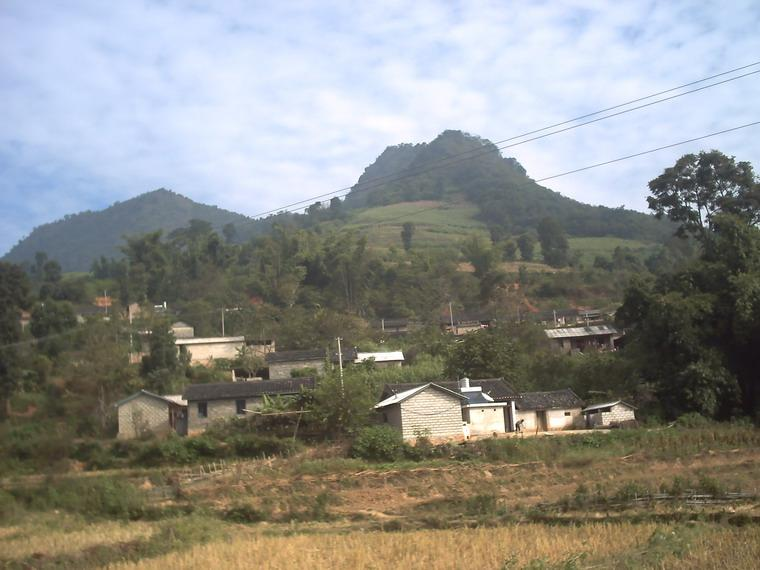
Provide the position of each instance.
(145, 413)
(207, 403)
(609, 414)
(485, 407)
(549, 411)
(426, 410)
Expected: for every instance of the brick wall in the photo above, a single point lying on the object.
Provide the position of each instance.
(206, 353)
(431, 412)
(143, 415)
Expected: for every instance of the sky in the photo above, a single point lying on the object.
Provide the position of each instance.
(253, 105)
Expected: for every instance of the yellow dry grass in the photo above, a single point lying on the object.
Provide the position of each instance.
(719, 549)
(440, 549)
(25, 540)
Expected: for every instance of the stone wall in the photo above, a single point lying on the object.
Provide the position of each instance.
(143, 415)
(432, 413)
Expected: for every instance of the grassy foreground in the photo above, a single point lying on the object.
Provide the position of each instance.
(667, 498)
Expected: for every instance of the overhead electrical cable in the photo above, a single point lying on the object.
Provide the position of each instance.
(474, 153)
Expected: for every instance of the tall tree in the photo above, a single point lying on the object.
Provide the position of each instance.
(407, 232)
(526, 243)
(14, 293)
(700, 186)
(553, 242)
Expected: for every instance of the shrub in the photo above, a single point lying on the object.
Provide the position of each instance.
(694, 420)
(94, 497)
(243, 514)
(252, 445)
(378, 443)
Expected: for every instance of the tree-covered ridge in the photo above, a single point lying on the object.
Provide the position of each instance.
(78, 239)
(456, 166)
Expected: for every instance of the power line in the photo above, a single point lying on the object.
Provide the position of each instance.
(448, 161)
(597, 165)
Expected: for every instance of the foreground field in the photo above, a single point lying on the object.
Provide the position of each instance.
(531, 546)
(667, 498)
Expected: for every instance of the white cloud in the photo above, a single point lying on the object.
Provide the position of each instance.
(252, 106)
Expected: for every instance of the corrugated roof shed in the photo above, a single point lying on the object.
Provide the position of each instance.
(554, 400)
(252, 389)
(573, 332)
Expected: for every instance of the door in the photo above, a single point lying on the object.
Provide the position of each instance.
(541, 420)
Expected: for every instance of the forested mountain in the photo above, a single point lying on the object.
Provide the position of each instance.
(78, 239)
(465, 174)
(457, 166)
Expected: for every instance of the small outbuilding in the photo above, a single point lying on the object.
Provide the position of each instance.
(583, 339)
(426, 410)
(549, 411)
(609, 414)
(145, 413)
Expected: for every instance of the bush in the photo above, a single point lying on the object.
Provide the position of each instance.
(94, 497)
(251, 445)
(243, 514)
(378, 443)
(694, 420)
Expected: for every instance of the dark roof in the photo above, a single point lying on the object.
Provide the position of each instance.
(252, 389)
(558, 399)
(498, 388)
(284, 356)
(462, 317)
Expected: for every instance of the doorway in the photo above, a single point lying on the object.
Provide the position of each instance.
(541, 420)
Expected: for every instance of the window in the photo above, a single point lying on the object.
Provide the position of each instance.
(567, 414)
(240, 407)
(202, 409)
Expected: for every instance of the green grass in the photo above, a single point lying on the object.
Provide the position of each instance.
(445, 225)
(605, 246)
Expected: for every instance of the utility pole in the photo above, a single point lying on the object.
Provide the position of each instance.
(340, 365)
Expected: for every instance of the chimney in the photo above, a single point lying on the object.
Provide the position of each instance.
(464, 383)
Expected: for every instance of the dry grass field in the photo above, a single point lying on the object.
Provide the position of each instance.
(516, 546)
(530, 504)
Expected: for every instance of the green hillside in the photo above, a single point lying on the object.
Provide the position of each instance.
(456, 166)
(77, 240)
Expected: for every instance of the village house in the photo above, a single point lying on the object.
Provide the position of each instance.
(204, 350)
(485, 407)
(390, 359)
(207, 403)
(286, 363)
(549, 411)
(427, 410)
(609, 414)
(463, 323)
(396, 326)
(145, 413)
(582, 339)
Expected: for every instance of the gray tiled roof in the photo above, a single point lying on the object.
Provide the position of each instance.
(252, 389)
(557, 399)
